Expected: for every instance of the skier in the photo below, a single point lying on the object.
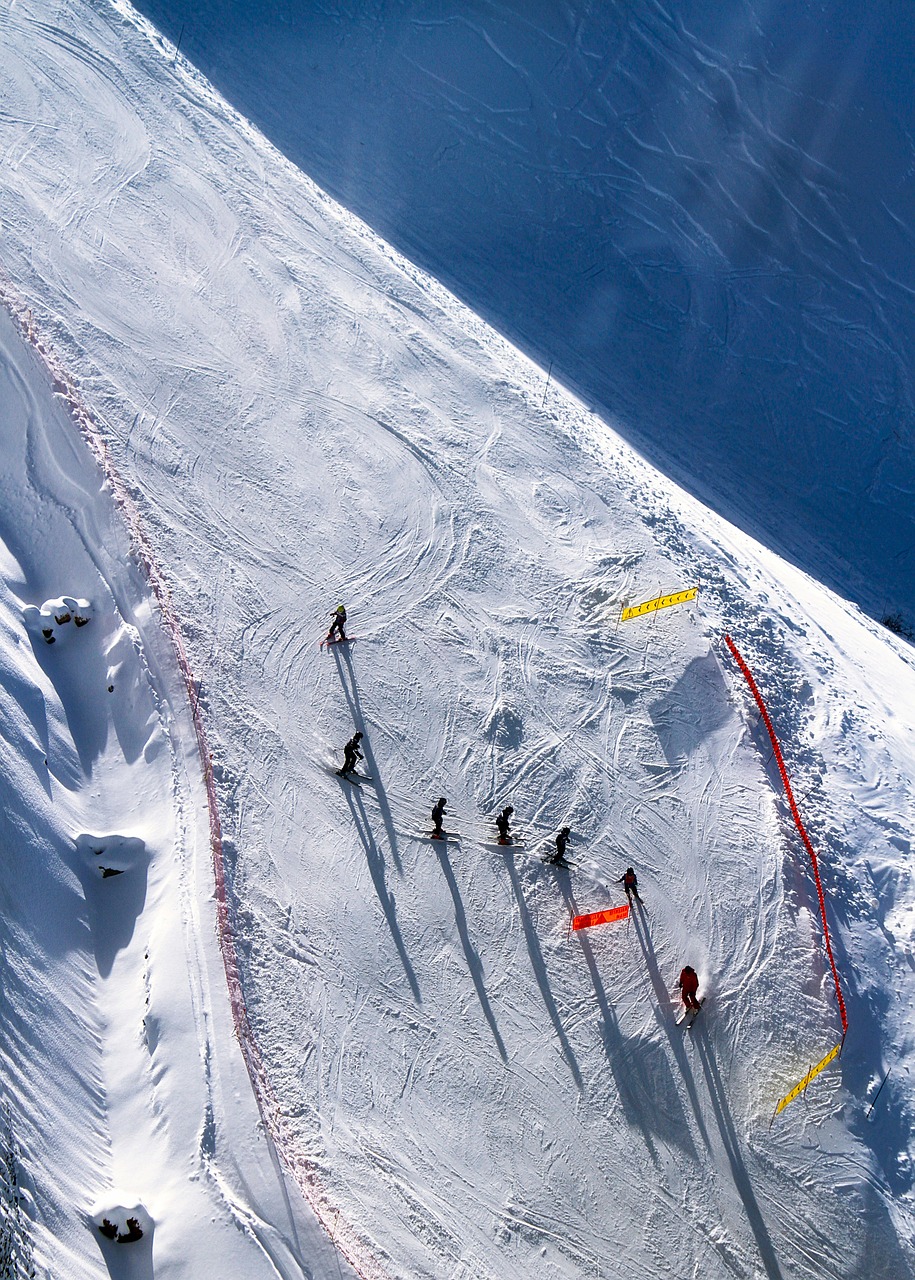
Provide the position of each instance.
(503, 822)
(351, 754)
(689, 985)
(562, 839)
(338, 624)
(438, 817)
(630, 882)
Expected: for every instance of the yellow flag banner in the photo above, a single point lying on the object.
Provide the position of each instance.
(814, 1071)
(660, 602)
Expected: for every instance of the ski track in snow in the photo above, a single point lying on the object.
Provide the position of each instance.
(700, 219)
(302, 416)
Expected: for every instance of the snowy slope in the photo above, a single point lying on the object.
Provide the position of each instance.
(302, 415)
(121, 1081)
(700, 215)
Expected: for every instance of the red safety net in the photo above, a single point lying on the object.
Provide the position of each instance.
(600, 917)
(748, 676)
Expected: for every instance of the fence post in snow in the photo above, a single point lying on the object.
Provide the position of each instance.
(547, 387)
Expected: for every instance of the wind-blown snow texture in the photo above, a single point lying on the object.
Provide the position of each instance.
(700, 214)
(303, 416)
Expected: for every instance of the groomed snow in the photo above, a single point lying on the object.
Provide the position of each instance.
(302, 417)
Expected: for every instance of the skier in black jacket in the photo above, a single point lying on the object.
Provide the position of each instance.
(562, 839)
(503, 822)
(351, 754)
(338, 623)
(438, 817)
(630, 882)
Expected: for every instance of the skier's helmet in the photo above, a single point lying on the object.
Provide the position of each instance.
(442, 800)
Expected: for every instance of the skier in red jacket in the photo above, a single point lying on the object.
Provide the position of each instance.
(689, 985)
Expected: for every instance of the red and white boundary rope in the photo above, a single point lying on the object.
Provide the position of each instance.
(271, 1115)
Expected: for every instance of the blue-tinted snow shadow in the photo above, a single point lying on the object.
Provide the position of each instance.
(731, 1144)
(347, 673)
(641, 1072)
(538, 964)
(132, 1261)
(664, 1019)
(375, 860)
(78, 671)
(30, 699)
(115, 902)
(474, 963)
(695, 707)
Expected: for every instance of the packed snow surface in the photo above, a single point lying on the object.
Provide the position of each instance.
(460, 1085)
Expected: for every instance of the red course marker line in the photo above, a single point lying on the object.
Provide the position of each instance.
(748, 676)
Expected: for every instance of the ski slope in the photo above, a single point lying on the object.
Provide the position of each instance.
(698, 216)
(462, 1087)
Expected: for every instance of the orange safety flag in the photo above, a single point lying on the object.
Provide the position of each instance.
(660, 602)
(600, 917)
(799, 1088)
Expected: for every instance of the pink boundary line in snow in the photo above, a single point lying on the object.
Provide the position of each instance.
(748, 676)
(267, 1103)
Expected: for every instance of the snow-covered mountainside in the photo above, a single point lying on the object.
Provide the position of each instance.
(124, 1095)
(460, 1084)
(700, 215)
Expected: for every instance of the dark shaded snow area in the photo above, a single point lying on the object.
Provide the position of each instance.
(701, 216)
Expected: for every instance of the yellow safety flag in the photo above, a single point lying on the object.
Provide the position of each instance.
(814, 1071)
(660, 602)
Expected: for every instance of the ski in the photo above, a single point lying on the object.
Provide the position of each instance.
(695, 1014)
(328, 643)
(444, 837)
(553, 861)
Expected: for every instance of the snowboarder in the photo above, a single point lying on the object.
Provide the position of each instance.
(438, 817)
(338, 624)
(630, 882)
(562, 839)
(689, 985)
(503, 822)
(351, 754)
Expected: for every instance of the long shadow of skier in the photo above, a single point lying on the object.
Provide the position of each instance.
(674, 1034)
(376, 868)
(538, 963)
(732, 1148)
(347, 675)
(474, 964)
(615, 1048)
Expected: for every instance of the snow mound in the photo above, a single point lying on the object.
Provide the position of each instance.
(57, 619)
